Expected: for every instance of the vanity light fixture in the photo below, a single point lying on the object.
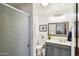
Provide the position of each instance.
(58, 15)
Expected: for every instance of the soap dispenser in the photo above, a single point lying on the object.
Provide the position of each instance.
(49, 37)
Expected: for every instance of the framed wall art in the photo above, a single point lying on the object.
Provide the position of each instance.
(42, 28)
(51, 28)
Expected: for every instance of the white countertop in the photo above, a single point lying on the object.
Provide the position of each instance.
(62, 42)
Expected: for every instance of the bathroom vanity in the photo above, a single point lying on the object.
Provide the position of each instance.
(55, 48)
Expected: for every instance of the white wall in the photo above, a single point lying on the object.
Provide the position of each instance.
(35, 28)
(46, 15)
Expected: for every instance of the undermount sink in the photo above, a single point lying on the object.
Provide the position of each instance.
(62, 42)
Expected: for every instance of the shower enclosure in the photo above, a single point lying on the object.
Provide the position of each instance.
(14, 31)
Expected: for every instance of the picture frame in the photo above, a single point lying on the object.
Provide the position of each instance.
(42, 28)
(53, 29)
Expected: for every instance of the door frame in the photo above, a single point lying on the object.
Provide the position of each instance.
(76, 48)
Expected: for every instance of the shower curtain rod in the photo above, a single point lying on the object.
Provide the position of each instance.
(7, 5)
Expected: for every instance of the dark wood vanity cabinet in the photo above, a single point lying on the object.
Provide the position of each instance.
(52, 49)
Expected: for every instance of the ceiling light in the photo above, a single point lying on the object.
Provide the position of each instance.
(44, 4)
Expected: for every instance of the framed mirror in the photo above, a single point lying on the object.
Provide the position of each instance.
(58, 29)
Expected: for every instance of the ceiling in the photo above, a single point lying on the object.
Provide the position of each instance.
(51, 8)
(17, 5)
(55, 8)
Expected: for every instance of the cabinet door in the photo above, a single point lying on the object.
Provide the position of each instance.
(56, 51)
(48, 51)
(66, 52)
(53, 51)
